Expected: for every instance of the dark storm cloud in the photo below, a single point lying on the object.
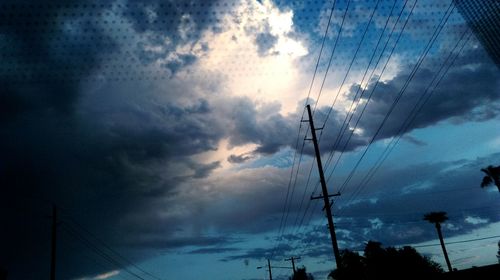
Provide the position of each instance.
(469, 92)
(41, 150)
(269, 131)
(203, 170)
(414, 140)
(147, 15)
(185, 21)
(395, 201)
(238, 158)
(28, 39)
(258, 253)
(107, 161)
(161, 242)
(213, 250)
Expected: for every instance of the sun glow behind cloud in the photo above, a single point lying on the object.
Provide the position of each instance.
(272, 73)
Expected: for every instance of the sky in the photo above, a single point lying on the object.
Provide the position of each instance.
(173, 139)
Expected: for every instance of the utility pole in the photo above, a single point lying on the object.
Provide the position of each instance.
(292, 259)
(325, 196)
(53, 252)
(269, 269)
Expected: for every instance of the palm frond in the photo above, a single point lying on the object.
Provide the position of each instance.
(486, 181)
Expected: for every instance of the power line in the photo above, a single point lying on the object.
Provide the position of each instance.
(287, 212)
(458, 242)
(280, 233)
(86, 242)
(321, 50)
(350, 112)
(319, 93)
(400, 94)
(355, 55)
(427, 48)
(282, 224)
(392, 31)
(436, 244)
(331, 56)
(96, 262)
(413, 114)
(372, 91)
(329, 112)
(103, 244)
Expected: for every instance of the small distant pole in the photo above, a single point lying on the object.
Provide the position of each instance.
(269, 267)
(53, 247)
(292, 259)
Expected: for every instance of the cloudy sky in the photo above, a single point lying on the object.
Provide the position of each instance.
(171, 135)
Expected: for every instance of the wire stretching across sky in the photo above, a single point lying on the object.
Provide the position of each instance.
(282, 225)
(297, 226)
(74, 224)
(351, 111)
(371, 92)
(342, 129)
(413, 114)
(331, 56)
(398, 97)
(89, 244)
(381, 54)
(368, 66)
(322, 85)
(433, 38)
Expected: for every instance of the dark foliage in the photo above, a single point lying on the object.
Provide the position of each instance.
(301, 274)
(492, 176)
(385, 263)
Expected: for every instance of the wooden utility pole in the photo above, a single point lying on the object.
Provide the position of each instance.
(269, 267)
(53, 248)
(292, 259)
(325, 196)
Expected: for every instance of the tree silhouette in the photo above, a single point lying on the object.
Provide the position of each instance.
(301, 274)
(437, 218)
(385, 263)
(353, 267)
(492, 176)
(498, 253)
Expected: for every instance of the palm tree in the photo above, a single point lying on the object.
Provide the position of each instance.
(437, 218)
(492, 176)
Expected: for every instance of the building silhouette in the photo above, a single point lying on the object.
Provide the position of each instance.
(483, 18)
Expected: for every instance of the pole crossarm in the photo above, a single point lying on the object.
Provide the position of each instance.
(321, 197)
(287, 267)
(293, 259)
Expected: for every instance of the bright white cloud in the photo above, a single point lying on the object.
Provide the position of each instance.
(102, 276)
(475, 220)
(107, 275)
(270, 75)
